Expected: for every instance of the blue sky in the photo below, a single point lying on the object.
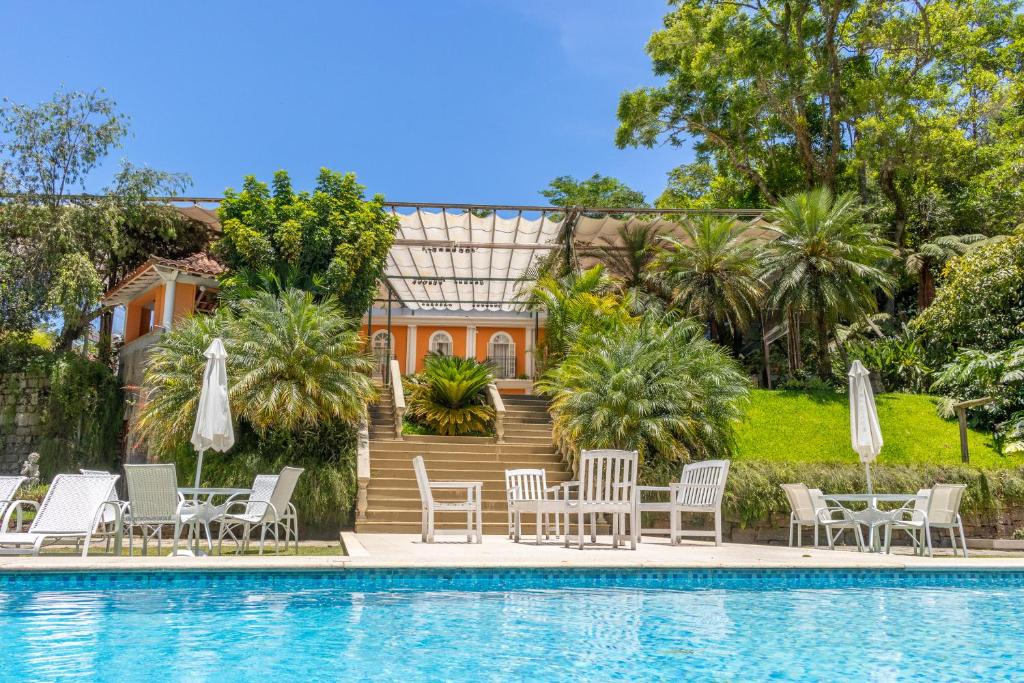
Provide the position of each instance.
(459, 101)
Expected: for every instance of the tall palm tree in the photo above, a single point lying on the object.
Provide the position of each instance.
(713, 273)
(629, 258)
(827, 262)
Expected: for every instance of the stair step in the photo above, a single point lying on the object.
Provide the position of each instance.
(416, 448)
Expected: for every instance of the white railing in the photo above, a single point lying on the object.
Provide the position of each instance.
(397, 396)
(499, 412)
(362, 467)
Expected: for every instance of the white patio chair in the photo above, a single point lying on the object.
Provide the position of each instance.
(527, 491)
(154, 503)
(8, 487)
(940, 510)
(109, 519)
(607, 485)
(268, 507)
(72, 509)
(699, 489)
(809, 509)
(472, 506)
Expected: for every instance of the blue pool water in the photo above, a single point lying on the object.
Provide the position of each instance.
(536, 625)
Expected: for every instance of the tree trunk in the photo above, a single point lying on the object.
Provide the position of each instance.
(824, 366)
(104, 347)
(793, 342)
(926, 290)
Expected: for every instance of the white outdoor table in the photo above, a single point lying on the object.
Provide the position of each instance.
(871, 516)
(205, 510)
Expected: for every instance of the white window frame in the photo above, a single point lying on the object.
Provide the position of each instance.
(504, 339)
(436, 338)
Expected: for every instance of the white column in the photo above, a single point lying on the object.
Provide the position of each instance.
(170, 279)
(471, 341)
(410, 350)
(531, 346)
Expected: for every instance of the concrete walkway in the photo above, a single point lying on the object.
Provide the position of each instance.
(406, 550)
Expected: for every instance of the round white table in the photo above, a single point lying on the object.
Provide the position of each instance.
(872, 516)
(205, 511)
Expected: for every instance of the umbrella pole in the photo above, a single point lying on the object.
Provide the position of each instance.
(867, 472)
(199, 470)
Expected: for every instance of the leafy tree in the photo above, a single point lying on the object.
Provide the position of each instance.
(713, 273)
(653, 385)
(332, 241)
(448, 396)
(597, 191)
(826, 263)
(931, 256)
(897, 98)
(293, 364)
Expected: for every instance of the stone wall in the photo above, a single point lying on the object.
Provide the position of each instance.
(23, 400)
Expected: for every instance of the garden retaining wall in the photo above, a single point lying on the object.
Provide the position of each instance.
(23, 400)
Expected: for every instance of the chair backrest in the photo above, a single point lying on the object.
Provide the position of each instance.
(422, 481)
(152, 491)
(8, 488)
(817, 499)
(800, 501)
(526, 484)
(704, 483)
(71, 503)
(607, 476)
(944, 503)
(276, 489)
(108, 513)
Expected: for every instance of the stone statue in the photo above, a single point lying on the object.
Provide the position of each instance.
(30, 469)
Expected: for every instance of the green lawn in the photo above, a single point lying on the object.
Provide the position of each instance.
(815, 426)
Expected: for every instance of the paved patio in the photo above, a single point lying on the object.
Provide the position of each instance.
(406, 550)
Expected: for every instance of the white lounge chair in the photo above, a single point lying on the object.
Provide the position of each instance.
(72, 509)
(607, 485)
(809, 509)
(472, 506)
(268, 507)
(8, 487)
(154, 503)
(700, 489)
(527, 491)
(940, 510)
(109, 519)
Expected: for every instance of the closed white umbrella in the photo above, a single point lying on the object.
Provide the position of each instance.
(865, 432)
(213, 428)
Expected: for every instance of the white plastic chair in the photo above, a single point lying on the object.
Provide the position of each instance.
(700, 489)
(72, 509)
(472, 506)
(268, 507)
(109, 519)
(527, 491)
(8, 487)
(607, 485)
(939, 510)
(809, 509)
(153, 503)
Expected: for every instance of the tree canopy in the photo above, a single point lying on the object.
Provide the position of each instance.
(597, 191)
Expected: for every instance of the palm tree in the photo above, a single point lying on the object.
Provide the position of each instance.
(448, 396)
(629, 258)
(292, 364)
(654, 385)
(826, 263)
(713, 273)
(932, 256)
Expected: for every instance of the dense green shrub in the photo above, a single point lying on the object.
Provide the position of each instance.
(449, 397)
(900, 361)
(980, 302)
(754, 492)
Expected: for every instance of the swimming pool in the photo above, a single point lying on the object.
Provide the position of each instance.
(540, 625)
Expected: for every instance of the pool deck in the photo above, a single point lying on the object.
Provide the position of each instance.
(404, 550)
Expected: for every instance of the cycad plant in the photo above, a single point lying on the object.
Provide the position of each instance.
(827, 263)
(713, 273)
(449, 397)
(292, 364)
(655, 385)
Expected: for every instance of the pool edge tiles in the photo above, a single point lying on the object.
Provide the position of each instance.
(510, 579)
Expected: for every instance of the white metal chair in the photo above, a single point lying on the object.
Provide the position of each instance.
(8, 487)
(472, 506)
(607, 485)
(527, 491)
(700, 489)
(268, 507)
(72, 509)
(154, 503)
(809, 509)
(940, 510)
(109, 519)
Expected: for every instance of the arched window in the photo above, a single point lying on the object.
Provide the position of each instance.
(501, 354)
(440, 343)
(382, 351)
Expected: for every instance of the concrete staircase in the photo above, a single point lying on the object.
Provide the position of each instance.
(393, 501)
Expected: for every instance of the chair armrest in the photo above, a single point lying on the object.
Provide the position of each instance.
(826, 514)
(16, 507)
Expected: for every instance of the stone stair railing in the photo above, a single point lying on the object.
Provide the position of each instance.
(499, 412)
(362, 467)
(397, 396)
